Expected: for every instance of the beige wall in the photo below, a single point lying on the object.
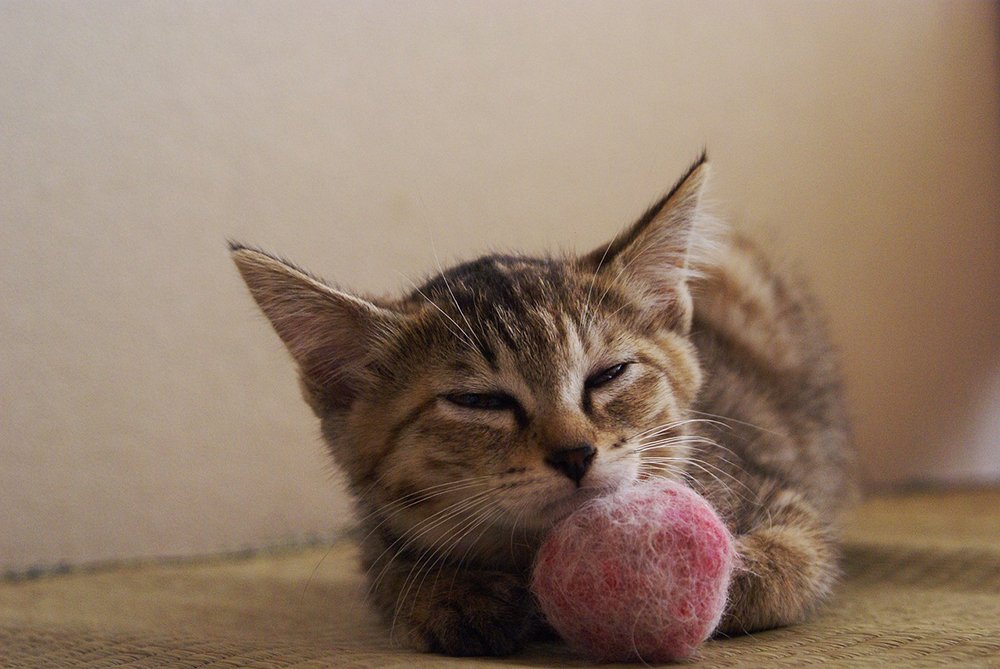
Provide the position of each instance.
(145, 407)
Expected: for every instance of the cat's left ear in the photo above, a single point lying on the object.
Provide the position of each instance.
(651, 260)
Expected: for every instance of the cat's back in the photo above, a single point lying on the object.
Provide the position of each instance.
(771, 377)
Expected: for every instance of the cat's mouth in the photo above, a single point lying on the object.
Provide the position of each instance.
(595, 484)
(558, 509)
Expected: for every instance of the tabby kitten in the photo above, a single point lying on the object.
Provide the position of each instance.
(473, 413)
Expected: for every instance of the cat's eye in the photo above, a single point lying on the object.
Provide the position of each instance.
(483, 401)
(605, 376)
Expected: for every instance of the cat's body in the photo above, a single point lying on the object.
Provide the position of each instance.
(472, 414)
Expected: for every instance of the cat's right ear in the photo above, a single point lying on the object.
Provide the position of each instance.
(330, 334)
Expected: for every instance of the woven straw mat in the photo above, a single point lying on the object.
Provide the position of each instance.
(922, 588)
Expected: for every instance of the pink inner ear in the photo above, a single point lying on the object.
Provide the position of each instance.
(327, 343)
(328, 332)
(330, 342)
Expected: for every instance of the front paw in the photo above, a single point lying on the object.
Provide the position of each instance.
(472, 613)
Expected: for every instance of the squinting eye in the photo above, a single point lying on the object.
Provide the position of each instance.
(606, 376)
(484, 401)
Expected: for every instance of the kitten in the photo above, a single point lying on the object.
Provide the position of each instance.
(473, 413)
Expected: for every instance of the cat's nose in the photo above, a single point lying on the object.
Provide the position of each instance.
(573, 461)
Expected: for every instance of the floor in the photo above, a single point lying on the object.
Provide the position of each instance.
(922, 588)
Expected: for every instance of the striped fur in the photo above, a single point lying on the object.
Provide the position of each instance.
(675, 350)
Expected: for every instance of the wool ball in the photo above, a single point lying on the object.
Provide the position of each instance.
(641, 574)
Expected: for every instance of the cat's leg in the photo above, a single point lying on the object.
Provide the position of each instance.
(788, 565)
(456, 611)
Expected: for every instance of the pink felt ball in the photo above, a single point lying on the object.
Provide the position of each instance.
(641, 574)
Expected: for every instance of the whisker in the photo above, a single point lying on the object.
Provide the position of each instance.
(454, 299)
(726, 419)
(486, 522)
(420, 529)
(650, 467)
(682, 439)
(424, 565)
(305, 587)
(701, 439)
(517, 519)
(414, 498)
(593, 278)
(433, 521)
(638, 254)
(672, 425)
(415, 502)
(706, 467)
(461, 334)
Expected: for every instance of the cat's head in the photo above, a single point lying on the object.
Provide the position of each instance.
(507, 389)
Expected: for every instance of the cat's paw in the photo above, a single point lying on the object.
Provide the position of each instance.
(475, 613)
